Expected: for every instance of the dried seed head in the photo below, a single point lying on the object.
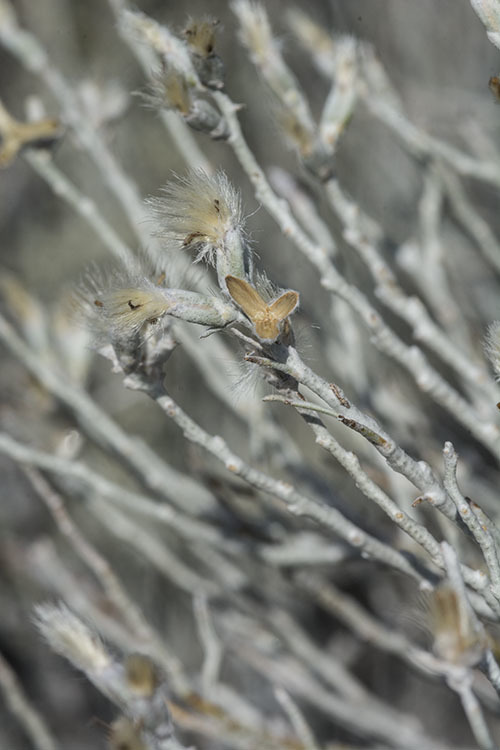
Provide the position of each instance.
(457, 637)
(15, 135)
(170, 49)
(197, 212)
(120, 306)
(121, 309)
(141, 674)
(492, 347)
(265, 52)
(169, 90)
(125, 735)
(269, 320)
(494, 85)
(200, 36)
(71, 638)
(128, 310)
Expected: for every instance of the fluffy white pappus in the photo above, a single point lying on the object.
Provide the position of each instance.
(125, 733)
(492, 347)
(126, 311)
(247, 383)
(168, 89)
(176, 269)
(68, 636)
(197, 212)
(267, 289)
(200, 35)
(120, 305)
(458, 638)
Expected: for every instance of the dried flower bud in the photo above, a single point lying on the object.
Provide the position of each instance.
(170, 49)
(494, 85)
(121, 309)
(169, 90)
(125, 735)
(268, 319)
(202, 213)
(141, 675)
(15, 136)
(457, 636)
(200, 36)
(265, 52)
(71, 638)
(125, 312)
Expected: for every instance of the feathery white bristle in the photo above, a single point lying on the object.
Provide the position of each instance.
(71, 638)
(197, 211)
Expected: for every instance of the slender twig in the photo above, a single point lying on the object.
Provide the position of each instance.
(480, 532)
(80, 473)
(18, 703)
(156, 474)
(84, 205)
(296, 503)
(297, 719)
(137, 691)
(460, 678)
(212, 647)
(111, 584)
(179, 132)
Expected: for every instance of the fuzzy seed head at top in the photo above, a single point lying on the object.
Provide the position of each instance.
(71, 638)
(118, 306)
(169, 90)
(200, 36)
(197, 211)
(456, 638)
(125, 735)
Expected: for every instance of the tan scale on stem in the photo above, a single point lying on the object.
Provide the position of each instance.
(269, 320)
(16, 136)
